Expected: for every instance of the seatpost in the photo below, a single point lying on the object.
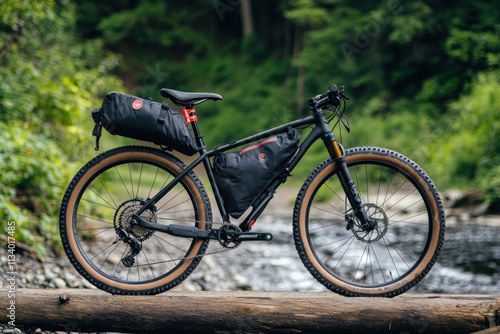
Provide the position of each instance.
(189, 113)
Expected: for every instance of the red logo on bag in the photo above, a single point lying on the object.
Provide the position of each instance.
(137, 104)
(262, 159)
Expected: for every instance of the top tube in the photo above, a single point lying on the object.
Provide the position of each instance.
(264, 134)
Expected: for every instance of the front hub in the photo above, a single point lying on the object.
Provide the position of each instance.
(377, 227)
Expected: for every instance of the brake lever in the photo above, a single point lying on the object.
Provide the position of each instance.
(341, 93)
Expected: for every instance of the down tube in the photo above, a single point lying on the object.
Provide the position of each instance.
(314, 135)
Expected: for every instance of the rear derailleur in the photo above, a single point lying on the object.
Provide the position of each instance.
(135, 246)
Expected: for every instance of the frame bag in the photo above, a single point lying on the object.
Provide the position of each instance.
(130, 116)
(242, 176)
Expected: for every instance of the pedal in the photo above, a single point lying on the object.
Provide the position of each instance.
(252, 236)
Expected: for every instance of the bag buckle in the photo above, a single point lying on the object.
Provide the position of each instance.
(97, 131)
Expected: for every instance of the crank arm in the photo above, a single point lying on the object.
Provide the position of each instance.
(251, 236)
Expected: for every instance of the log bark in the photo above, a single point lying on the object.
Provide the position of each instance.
(492, 330)
(80, 310)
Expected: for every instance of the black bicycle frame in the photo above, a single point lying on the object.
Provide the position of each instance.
(320, 130)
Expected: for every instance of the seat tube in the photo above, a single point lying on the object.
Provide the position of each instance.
(190, 117)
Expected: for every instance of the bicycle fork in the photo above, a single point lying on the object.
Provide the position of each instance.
(337, 153)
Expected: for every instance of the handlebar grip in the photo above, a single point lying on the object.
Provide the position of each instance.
(331, 97)
(333, 90)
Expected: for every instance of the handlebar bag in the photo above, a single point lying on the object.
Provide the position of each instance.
(242, 176)
(130, 116)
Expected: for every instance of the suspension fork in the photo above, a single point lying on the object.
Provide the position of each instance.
(345, 178)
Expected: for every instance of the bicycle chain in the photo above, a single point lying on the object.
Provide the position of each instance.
(193, 256)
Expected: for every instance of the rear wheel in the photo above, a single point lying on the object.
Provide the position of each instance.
(387, 260)
(100, 202)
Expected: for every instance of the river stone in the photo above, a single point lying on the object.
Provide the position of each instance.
(59, 283)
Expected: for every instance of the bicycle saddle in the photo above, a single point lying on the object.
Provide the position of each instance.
(187, 99)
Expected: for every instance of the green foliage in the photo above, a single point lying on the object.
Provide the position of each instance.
(33, 168)
(155, 23)
(423, 78)
(50, 83)
(467, 154)
(257, 105)
(403, 63)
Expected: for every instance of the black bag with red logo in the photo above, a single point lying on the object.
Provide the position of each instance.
(130, 116)
(242, 176)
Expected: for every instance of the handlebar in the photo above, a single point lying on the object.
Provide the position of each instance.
(332, 97)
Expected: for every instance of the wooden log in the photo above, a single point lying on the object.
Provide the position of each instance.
(492, 330)
(80, 310)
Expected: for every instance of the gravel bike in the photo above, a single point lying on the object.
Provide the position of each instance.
(368, 221)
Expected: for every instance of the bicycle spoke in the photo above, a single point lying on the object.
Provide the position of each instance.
(139, 181)
(169, 201)
(358, 256)
(108, 205)
(108, 202)
(158, 239)
(338, 213)
(149, 264)
(153, 183)
(107, 191)
(123, 182)
(131, 179)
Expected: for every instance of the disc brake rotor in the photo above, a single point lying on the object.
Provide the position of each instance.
(378, 215)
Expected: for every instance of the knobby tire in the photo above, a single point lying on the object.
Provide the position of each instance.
(391, 258)
(103, 196)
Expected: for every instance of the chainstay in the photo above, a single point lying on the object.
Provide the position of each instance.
(223, 250)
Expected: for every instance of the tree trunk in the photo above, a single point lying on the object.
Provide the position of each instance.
(247, 17)
(301, 73)
(80, 310)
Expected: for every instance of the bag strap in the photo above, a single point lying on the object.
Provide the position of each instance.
(161, 120)
(97, 131)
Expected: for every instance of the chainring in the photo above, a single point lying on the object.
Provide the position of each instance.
(226, 238)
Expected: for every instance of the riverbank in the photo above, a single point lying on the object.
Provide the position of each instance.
(225, 271)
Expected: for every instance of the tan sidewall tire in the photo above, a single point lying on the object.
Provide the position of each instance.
(73, 247)
(433, 247)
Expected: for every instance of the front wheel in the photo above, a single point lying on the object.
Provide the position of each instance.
(99, 205)
(387, 260)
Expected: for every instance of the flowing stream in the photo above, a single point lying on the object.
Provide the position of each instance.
(469, 263)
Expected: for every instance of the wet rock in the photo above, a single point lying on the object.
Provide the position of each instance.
(40, 279)
(29, 277)
(70, 280)
(59, 283)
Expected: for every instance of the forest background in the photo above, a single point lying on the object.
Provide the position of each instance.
(423, 77)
